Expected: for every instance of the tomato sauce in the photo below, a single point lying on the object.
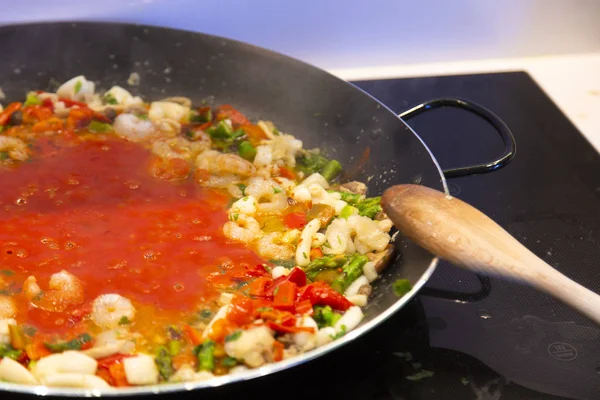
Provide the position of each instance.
(94, 210)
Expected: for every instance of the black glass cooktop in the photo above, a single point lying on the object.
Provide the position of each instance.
(507, 341)
(465, 337)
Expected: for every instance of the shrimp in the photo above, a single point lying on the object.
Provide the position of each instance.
(242, 228)
(133, 128)
(270, 190)
(222, 164)
(8, 309)
(64, 290)
(109, 309)
(14, 147)
(271, 247)
(179, 148)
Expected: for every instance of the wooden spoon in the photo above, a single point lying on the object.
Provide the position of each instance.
(461, 234)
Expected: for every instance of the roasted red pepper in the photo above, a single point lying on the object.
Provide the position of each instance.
(289, 329)
(71, 103)
(258, 286)
(285, 296)
(296, 275)
(304, 307)
(241, 310)
(320, 293)
(295, 220)
(79, 118)
(287, 173)
(11, 108)
(228, 112)
(256, 270)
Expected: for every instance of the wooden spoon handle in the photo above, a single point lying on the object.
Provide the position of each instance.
(461, 234)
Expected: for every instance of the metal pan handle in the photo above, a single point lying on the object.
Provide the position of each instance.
(510, 149)
(510, 146)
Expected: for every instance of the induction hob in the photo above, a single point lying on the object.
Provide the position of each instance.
(466, 337)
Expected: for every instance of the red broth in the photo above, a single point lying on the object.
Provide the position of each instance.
(93, 209)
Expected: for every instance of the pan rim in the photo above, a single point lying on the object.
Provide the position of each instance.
(167, 388)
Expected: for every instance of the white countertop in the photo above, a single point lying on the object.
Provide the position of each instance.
(571, 81)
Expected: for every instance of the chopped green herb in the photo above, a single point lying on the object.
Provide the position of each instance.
(205, 313)
(100, 127)
(174, 347)
(124, 321)
(234, 336)
(31, 100)
(229, 362)
(78, 86)
(143, 117)
(201, 117)
(464, 381)
(3, 155)
(325, 316)
(206, 355)
(164, 363)
(6, 272)
(401, 287)
(304, 254)
(342, 332)
(416, 365)
(73, 344)
(220, 131)
(420, 375)
(110, 99)
(348, 211)
(242, 188)
(236, 216)
(28, 330)
(246, 150)
(7, 350)
(1, 128)
(276, 190)
(264, 309)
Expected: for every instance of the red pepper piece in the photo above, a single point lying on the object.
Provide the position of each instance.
(258, 286)
(320, 293)
(287, 173)
(241, 310)
(304, 307)
(278, 351)
(295, 220)
(289, 329)
(285, 296)
(71, 103)
(256, 270)
(297, 276)
(228, 112)
(11, 108)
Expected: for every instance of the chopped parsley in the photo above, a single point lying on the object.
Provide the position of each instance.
(110, 99)
(420, 375)
(229, 362)
(78, 86)
(276, 190)
(73, 344)
(401, 287)
(6, 272)
(100, 127)
(7, 350)
(234, 336)
(3, 154)
(124, 321)
(31, 100)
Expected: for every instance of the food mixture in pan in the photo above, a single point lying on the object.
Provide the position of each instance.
(156, 242)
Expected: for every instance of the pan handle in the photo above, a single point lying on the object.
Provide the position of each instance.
(482, 112)
(502, 161)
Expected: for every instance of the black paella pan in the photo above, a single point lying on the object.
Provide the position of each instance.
(373, 144)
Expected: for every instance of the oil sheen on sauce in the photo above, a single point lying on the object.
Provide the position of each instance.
(94, 210)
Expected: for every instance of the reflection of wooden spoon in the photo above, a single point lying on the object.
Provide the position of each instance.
(461, 234)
